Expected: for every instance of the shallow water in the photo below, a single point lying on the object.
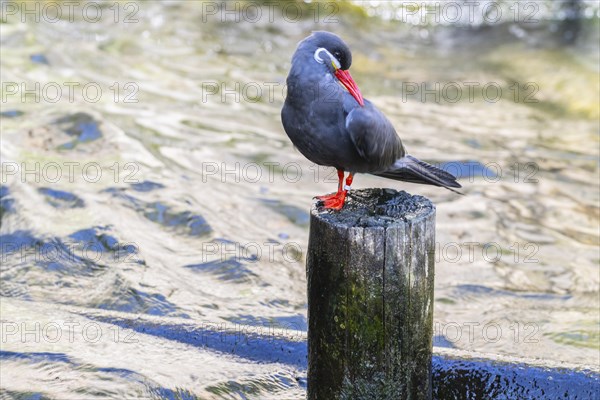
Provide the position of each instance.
(170, 200)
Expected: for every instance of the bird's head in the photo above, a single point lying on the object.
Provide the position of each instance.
(330, 50)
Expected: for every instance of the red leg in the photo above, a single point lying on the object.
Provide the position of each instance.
(332, 195)
(349, 180)
(336, 201)
(340, 179)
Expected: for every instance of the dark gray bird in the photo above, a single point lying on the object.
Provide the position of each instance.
(332, 125)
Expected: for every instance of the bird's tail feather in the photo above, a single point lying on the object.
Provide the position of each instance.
(411, 169)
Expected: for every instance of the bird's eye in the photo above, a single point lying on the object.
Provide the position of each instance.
(338, 55)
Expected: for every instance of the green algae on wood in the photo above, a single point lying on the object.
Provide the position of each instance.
(370, 273)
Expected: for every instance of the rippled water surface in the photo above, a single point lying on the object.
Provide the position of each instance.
(154, 222)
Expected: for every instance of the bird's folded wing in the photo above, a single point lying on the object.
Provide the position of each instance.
(374, 136)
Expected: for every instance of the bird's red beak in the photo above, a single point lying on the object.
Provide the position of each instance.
(346, 79)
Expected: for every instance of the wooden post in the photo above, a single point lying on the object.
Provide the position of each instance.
(370, 273)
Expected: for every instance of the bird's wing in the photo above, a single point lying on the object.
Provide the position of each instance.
(411, 169)
(373, 135)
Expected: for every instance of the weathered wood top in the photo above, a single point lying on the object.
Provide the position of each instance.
(376, 208)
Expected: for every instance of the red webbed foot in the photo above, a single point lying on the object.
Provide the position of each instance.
(334, 201)
(327, 197)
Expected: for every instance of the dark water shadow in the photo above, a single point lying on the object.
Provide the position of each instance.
(455, 378)
(82, 127)
(184, 222)
(156, 391)
(61, 199)
(228, 270)
(258, 344)
(11, 113)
